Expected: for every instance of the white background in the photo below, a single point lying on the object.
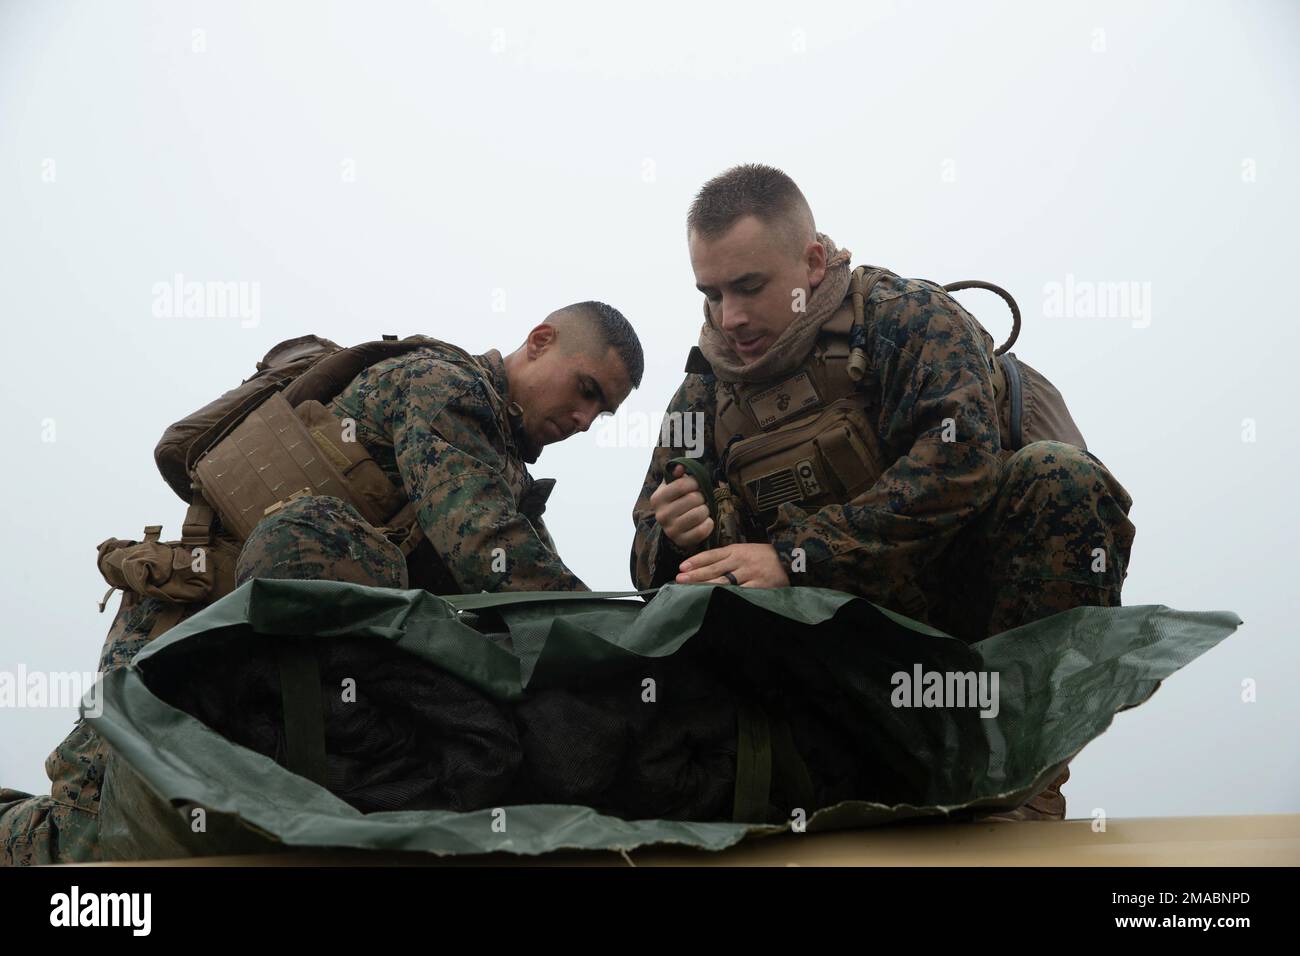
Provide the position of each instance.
(553, 155)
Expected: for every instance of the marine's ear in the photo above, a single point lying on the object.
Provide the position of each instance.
(815, 262)
(540, 339)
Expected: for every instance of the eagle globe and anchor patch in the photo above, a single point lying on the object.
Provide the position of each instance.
(784, 400)
(773, 405)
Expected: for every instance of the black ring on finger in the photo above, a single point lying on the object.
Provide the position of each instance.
(730, 577)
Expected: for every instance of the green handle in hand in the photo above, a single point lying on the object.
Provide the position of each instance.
(695, 469)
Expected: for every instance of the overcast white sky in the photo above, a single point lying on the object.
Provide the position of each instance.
(461, 170)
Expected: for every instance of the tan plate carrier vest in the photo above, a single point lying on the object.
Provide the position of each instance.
(807, 438)
(284, 448)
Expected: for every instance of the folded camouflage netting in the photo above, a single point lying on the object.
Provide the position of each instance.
(532, 722)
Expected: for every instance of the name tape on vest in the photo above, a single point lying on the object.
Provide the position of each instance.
(784, 400)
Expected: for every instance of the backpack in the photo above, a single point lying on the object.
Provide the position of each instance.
(306, 368)
(1030, 408)
(298, 376)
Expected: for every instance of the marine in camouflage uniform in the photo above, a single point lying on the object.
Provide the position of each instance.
(308, 538)
(962, 533)
(967, 536)
(439, 432)
(64, 826)
(954, 530)
(455, 443)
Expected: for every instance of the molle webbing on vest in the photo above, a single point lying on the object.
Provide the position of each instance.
(268, 457)
(278, 453)
(291, 444)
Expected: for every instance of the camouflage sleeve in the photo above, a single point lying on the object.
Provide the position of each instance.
(451, 454)
(937, 415)
(687, 432)
(544, 535)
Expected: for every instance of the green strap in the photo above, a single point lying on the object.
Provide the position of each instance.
(768, 766)
(696, 470)
(304, 711)
(793, 782)
(753, 765)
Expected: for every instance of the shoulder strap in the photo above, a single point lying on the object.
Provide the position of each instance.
(861, 284)
(1016, 401)
(696, 363)
(332, 373)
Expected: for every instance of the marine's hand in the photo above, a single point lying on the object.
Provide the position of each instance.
(752, 565)
(680, 510)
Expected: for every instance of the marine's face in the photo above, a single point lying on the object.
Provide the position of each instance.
(752, 279)
(563, 391)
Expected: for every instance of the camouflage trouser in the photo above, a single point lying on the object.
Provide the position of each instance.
(64, 826)
(308, 538)
(1056, 536)
(323, 538)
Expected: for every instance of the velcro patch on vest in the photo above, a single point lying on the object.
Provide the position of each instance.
(785, 400)
(774, 489)
(807, 476)
(330, 450)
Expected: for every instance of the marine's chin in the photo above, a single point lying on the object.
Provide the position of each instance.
(530, 451)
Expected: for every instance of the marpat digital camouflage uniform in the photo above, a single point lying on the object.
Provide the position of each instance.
(64, 826)
(437, 429)
(962, 534)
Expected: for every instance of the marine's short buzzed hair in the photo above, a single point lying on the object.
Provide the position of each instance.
(752, 190)
(608, 330)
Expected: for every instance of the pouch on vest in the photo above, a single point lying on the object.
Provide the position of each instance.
(367, 482)
(827, 459)
(181, 572)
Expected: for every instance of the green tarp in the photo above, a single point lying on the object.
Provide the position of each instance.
(177, 788)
